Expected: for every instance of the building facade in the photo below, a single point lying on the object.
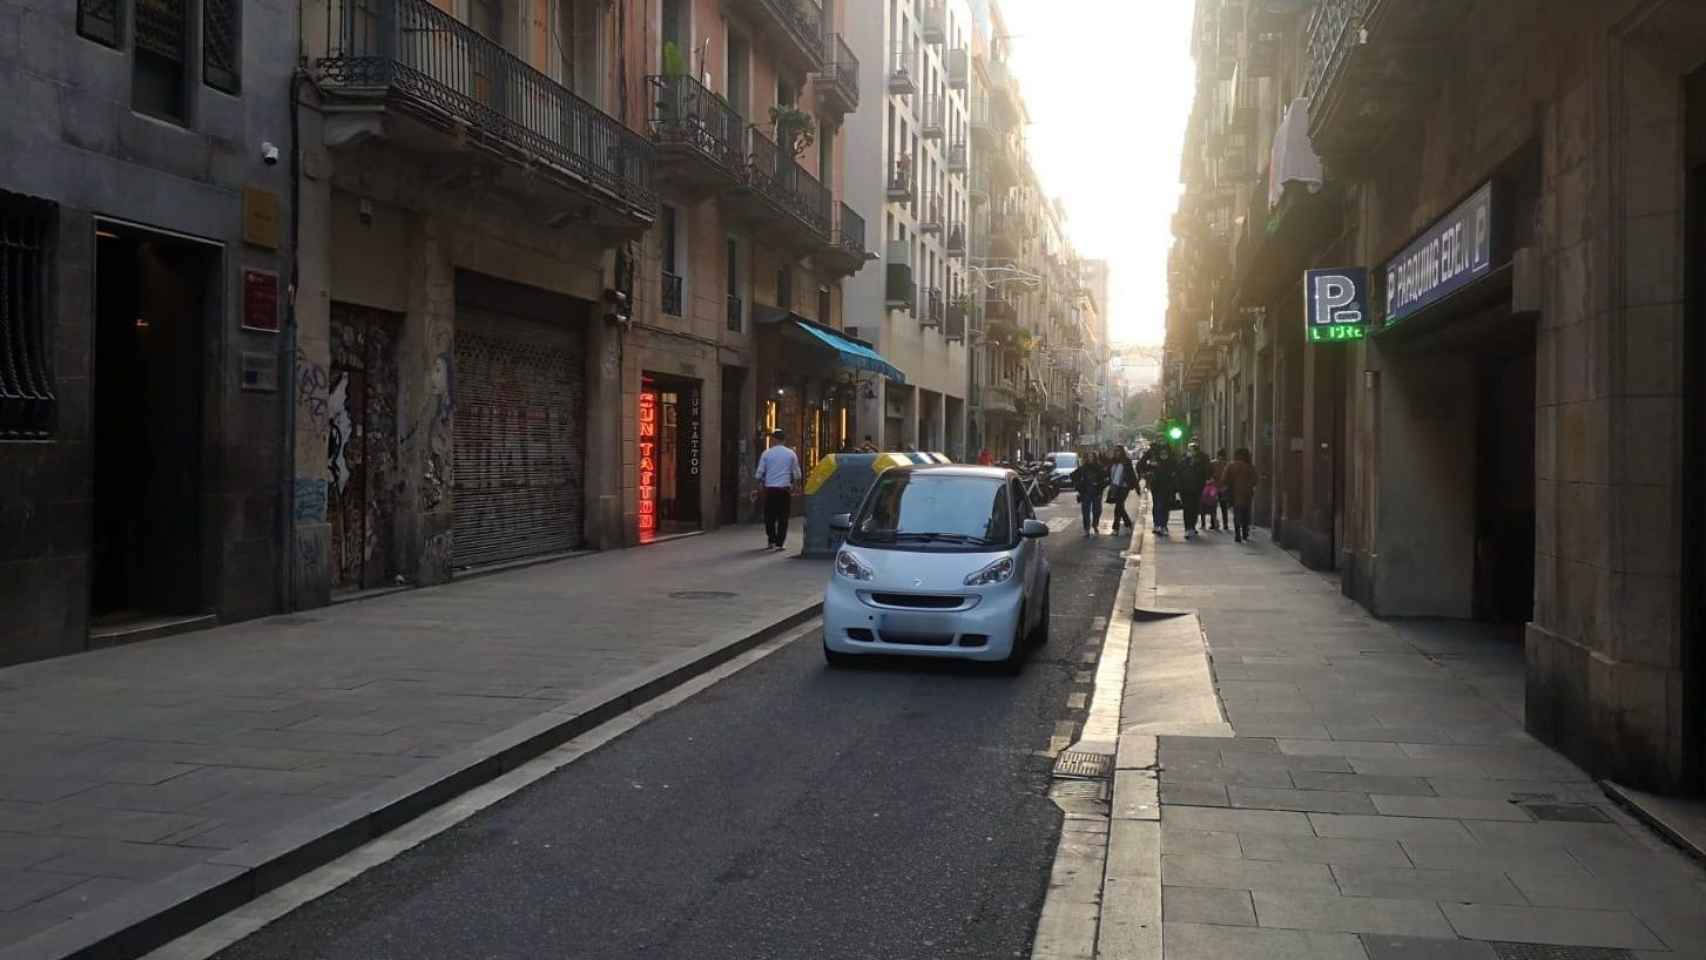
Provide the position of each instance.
(145, 250)
(1509, 193)
(916, 170)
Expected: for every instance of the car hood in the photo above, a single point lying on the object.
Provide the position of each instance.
(918, 570)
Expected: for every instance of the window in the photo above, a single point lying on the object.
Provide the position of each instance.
(669, 225)
(101, 21)
(27, 403)
(158, 81)
(221, 44)
(733, 304)
(785, 287)
(824, 307)
(945, 512)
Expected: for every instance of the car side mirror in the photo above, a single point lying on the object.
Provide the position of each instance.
(1032, 529)
(841, 522)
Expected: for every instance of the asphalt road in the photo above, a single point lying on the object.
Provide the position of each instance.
(787, 812)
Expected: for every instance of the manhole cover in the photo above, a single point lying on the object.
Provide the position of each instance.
(292, 621)
(1533, 797)
(1567, 812)
(1546, 951)
(1084, 766)
(702, 595)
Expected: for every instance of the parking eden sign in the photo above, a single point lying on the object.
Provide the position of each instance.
(1335, 304)
(1453, 253)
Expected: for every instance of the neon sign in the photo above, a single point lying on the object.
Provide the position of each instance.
(648, 464)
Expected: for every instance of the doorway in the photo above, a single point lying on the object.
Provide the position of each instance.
(361, 446)
(152, 294)
(671, 455)
(1504, 483)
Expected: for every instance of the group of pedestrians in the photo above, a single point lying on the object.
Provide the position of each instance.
(1104, 477)
(1213, 493)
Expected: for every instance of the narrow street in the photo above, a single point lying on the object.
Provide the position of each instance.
(790, 811)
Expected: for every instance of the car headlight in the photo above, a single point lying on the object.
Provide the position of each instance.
(850, 566)
(997, 572)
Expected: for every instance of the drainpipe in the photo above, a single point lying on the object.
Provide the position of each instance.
(287, 348)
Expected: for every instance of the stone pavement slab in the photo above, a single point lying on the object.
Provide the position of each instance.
(123, 766)
(1393, 757)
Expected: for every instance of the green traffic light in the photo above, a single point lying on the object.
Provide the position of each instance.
(1174, 433)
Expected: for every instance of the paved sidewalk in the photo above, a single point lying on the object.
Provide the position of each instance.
(122, 767)
(1379, 799)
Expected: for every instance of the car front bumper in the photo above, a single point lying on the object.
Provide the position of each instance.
(982, 628)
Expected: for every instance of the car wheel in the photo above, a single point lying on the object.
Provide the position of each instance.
(837, 660)
(1040, 635)
(1015, 659)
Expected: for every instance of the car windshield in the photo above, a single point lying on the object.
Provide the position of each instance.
(1064, 461)
(944, 510)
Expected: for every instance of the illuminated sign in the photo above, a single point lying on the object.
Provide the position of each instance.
(694, 459)
(648, 463)
(1335, 304)
(1451, 254)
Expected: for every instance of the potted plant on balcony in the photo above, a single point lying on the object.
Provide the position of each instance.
(796, 130)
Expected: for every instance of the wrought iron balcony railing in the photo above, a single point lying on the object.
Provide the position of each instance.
(957, 156)
(934, 22)
(686, 114)
(671, 294)
(1335, 30)
(959, 71)
(900, 180)
(935, 307)
(800, 20)
(775, 174)
(956, 243)
(427, 60)
(903, 70)
(849, 234)
(843, 69)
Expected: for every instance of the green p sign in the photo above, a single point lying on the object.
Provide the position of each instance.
(1335, 304)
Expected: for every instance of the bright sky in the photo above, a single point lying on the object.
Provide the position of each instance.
(1109, 86)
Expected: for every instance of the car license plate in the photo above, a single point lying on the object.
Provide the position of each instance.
(918, 623)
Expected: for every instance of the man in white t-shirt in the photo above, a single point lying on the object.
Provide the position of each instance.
(778, 471)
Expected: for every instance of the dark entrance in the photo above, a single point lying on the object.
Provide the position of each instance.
(1693, 550)
(361, 446)
(671, 455)
(731, 433)
(1504, 480)
(151, 300)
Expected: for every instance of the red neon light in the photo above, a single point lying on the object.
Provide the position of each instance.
(648, 516)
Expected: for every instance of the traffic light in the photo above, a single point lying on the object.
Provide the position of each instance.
(1175, 433)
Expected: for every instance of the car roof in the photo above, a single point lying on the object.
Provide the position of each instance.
(957, 470)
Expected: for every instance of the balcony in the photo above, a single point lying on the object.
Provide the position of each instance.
(845, 253)
(700, 138)
(1370, 64)
(999, 308)
(930, 215)
(959, 68)
(957, 156)
(935, 311)
(671, 294)
(406, 72)
(1004, 234)
(930, 119)
(903, 71)
(898, 291)
(779, 195)
(934, 23)
(1007, 165)
(978, 186)
(795, 26)
(984, 130)
(956, 242)
(838, 85)
(900, 188)
(954, 329)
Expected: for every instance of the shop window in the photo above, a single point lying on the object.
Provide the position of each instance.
(221, 44)
(158, 82)
(101, 21)
(27, 402)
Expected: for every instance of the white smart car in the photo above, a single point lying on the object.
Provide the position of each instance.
(940, 561)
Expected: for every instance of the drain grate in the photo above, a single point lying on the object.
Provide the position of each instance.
(1567, 812)
(1546, 951)
(702, 595)
(1084, 766)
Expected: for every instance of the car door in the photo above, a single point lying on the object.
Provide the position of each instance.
(1028, 549)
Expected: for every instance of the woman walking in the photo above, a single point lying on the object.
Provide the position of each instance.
(1122, 477)
(1160, 468)
(1090, 479)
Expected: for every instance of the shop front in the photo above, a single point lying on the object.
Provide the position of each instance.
(671, 455)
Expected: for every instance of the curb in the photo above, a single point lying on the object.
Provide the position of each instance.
(168, 908)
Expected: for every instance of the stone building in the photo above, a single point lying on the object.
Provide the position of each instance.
(145, 259)
(1508, 436)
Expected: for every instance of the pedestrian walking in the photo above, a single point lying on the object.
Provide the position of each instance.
(1220, 514)
(778, 472)
(1193, 477)
(1240, 482)
(1122, 477)
(1090, 479)
(1160, 469)
(985, 458)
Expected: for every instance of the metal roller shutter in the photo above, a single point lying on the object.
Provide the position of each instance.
(520, 475)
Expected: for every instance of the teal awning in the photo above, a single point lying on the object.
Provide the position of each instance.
(852, 354)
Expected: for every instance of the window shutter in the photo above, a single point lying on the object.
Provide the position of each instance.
(222, 44)
(101, 21)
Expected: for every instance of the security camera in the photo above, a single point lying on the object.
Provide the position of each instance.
(269, 154)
